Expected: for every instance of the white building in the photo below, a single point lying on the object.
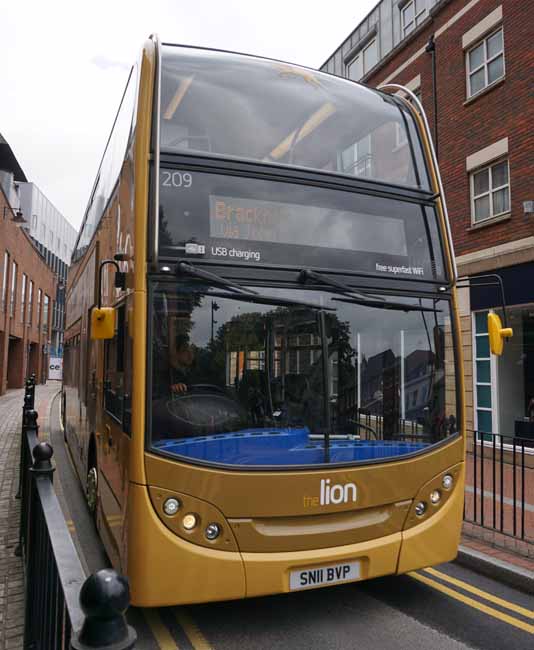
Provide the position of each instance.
(45, 223)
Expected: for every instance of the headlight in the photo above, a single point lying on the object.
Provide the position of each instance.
(189, 521)
(420, 508)
(171, 506)
(435, 497)
(447, 481)
(212, 531)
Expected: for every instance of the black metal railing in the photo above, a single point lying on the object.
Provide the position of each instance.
(498, 467)
(63, 609)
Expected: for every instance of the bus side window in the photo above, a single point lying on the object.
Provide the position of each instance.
(114, 369)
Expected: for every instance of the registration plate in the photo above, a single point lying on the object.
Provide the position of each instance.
(324, 575)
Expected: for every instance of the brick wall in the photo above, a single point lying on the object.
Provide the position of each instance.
(22, 343)
(506, 110)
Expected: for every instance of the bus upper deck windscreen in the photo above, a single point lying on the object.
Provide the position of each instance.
(236, 106)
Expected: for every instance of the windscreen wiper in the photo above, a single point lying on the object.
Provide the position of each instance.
(358, 297)
(306, 274)
(189, 269)
(385, 304)
(263, 299)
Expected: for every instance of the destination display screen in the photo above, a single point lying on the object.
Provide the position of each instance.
(304, 225)
(243, 220)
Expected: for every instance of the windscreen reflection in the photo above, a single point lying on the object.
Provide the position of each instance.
(246, 384)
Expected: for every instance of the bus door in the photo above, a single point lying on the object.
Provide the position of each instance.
(115, 432)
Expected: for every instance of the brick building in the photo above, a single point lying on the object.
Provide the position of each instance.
(471, 63)
(27, 286)
(55, 238)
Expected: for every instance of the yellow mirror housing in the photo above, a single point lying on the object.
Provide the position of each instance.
(102, 323)
(497, 333)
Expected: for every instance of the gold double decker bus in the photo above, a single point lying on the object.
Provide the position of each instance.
(263, 375)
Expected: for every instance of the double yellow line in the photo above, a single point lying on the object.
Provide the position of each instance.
(164, 638)
(475, 604)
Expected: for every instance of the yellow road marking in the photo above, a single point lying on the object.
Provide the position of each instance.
(528, 613)
(161, 633)
(60, 422)
(526, 627)
(195, 636)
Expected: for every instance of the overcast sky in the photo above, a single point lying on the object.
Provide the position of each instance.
(64, 66)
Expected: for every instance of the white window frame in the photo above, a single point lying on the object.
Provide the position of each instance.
(493, 384)
(491, 190)
(366, 159)
(419, 11)
(485, 63)
(360, 56)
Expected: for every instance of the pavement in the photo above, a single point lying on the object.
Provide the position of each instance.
(498, 564)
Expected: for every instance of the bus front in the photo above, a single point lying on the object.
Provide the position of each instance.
(304, 425)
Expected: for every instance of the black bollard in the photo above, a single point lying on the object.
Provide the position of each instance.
(42, 458)
(28, 406)
(30, 390)
(104, 598)
(31, 421)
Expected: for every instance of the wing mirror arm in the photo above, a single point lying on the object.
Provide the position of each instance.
(496, 332)
(103, 318)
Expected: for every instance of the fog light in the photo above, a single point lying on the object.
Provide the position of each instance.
(171, 506)
(189, 521)
(212, 531)
(420, 508)
(447, 481)
(435, 497)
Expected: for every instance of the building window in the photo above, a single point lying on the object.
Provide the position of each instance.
(13, 289)
(39, 301)
(484, 377)
(30, 302)
(490, 191)
(4, 280)
(364, 60)
(45, 313)
(23, 297)
(34, 222)
(412, 15)
(358, 158)
(43, 233)
(485, 63)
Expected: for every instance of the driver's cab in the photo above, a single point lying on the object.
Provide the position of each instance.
(255, 367)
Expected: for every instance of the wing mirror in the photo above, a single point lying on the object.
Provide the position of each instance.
(102, 323)
(497, 333)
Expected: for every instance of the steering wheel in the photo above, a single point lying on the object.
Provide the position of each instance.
(202, 410)
(206, 388)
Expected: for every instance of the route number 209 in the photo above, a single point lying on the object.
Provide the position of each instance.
(177, 179)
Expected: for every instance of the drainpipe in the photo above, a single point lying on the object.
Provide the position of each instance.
(431, 48)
